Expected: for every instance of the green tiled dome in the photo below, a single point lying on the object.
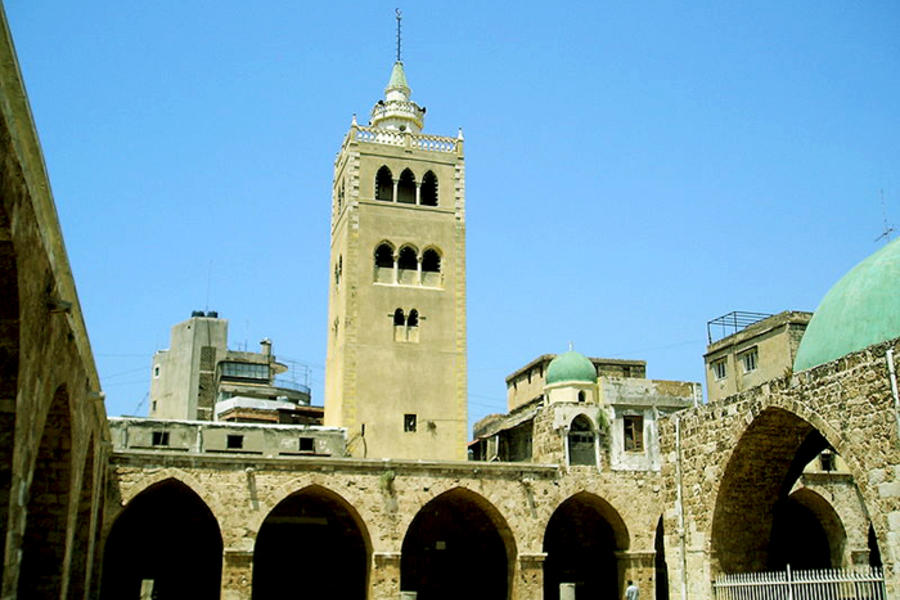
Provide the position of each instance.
(862, 309)
(571, 366)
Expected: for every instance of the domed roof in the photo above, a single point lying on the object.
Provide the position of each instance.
(571, 366)
(862, 309)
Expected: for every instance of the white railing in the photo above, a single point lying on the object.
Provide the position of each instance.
(818, 584)
(433, 143)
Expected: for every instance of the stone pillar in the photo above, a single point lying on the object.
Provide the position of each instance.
(638, 567)
(384, 581)
(418, 193)
(396, 277)
(237, 574)
(394, 197)
(529, 578)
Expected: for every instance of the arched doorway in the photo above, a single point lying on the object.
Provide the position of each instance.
(581, 540)
(44, 542)
(316, 540)
(9, 371)
(168, 535)
(756, 525)
(458, 546)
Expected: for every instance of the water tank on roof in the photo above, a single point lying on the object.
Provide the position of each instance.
(196, 313)
(214, 314)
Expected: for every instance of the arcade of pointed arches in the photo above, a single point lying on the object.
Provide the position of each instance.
(406, 189)
(406, 265)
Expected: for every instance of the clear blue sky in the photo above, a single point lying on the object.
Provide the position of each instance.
(633, 169)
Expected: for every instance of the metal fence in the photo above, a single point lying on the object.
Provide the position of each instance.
(819, 584)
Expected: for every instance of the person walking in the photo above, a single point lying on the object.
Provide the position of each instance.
(631, 592)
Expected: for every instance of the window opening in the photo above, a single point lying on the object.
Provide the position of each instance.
(581, 396)
(581, 442)
(160, 438)
(408, 259)
(431, 261)
(413, 320)
(398, 317)
(234, 442)
(384, 185)
(749, 358)
(307, 444)
(384, 257)
(428, 193)
(634, 433)
(719, 369)
(826, 459)
(406, 188)
(409, 422)
(156, 371)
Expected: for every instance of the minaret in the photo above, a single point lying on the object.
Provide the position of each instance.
(395, 373)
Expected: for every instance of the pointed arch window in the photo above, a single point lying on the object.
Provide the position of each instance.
(406, 327)
(431, 268)
(384, 263)
(398, 317)
(384, 185)
(408, 266)
(581, 442)
(428, 195)
(406, 187)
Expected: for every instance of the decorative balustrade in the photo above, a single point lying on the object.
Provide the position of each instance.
(397, 106)
(391, 137)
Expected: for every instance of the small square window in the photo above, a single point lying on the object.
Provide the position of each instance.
(718, 368)
(307, 444)
(234, 442)
(160, 438)
(749, 360)
(634, 433)
(409, 422)
(826, 459)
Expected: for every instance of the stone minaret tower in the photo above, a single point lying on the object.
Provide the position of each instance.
(395, 373)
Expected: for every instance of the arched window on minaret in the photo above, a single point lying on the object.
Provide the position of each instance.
(431, 268)
(428, 195)
(412, 326)
(398, 318)
(408, 265)
(384, 263)
(406, 187)
(384, 185)
(399, 326)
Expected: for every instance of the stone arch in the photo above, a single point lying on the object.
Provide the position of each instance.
(406, 187)
(581, 540)
(301, 535)
(829, 520)
(458, 532)
(408, 264)
(9, 370)
(79, 563)
(167, 534)
(582, 440)
(429, 190)
(183, 477)
(766, 460)
(384, 185)
(44, 541)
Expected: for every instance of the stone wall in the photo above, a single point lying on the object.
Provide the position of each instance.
(54, 440)
(726, 463)
(388, 494)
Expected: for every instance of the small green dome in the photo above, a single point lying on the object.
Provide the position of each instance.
(862, 309)
(571, 366)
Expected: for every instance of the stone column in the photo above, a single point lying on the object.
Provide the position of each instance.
(529, 577)
(394, 197)
(396, 276)
(384, 581)
(639, 568)
(237, 574)
(418, 193)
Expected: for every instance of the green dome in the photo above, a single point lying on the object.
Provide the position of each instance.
(571, 366)
(862, 309)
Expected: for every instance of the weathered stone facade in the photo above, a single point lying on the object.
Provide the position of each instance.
(725, 464)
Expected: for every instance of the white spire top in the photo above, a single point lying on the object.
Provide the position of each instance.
(397, 111)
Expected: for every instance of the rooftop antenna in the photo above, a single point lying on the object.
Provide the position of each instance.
(888, 229)
(399, 17)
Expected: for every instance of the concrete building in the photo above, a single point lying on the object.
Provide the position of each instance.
(395, 373)
(199, 378)
(758, 348)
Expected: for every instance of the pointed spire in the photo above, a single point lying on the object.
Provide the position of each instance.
(397, 111)
(397, 83)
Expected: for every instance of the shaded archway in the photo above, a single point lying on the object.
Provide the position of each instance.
(806, 533)
(582, 449)
(44, 542)
(581, 540)
(9, 370)
(429, 191)
(384, 185)
(406, 187)
(166, 534)
(660, 567)
(313, 541)
(458, 546)
(764, 465)
(79, 565)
